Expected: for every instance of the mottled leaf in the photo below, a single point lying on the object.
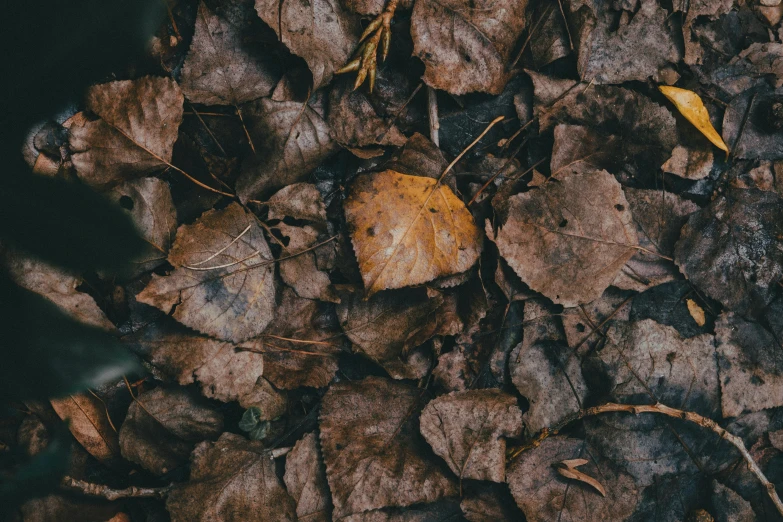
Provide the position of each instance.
(305, 478)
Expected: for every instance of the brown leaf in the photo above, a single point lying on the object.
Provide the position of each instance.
(89, 423)
(219, 69)
(579, 322)
(757, 135)
(373, 452)
(544, 370)
(490, 503)
(689, 163)
(301, 272)
(58, 286)
(732, 250)
(356, 122)
(453, 373)
(223, 281)
(442, 511)
(466, 429)
(148, 202)
(320, 31)
(407, 230)
(570, 238)
(613, 49)
(292, 139)
(544, 495)
(749, 362)
(690, 105)
(373, 7)
(299, 201)
(230, 480)
(567, 468)
(659, 216)
(389, 325)
(135, 134)
(305, 478)
(164, 425)
(466, 46)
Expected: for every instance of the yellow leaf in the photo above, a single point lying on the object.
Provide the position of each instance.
(407, 230)
(696, 311)
(690, 105)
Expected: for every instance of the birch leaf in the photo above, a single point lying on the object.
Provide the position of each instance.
(690, 105)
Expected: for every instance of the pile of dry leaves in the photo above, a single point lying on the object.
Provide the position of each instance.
(339, 322)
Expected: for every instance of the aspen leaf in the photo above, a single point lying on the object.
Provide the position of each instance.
(408, 230)
(690, 105)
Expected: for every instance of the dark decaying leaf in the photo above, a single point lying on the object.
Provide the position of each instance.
(732, 250)
(668, 304)
(467, 430)
(641, 46)
(580, 322)
(544, 369)
(469, 52)
(569, 238)
(749, 361)
(299, 201)
(442, 511)
(305, 479)
(689, 163)
(219, 69)
(135, 133)
(551, 40)
(164, 425)
(223, 281)
(751, 124)
(389, 325)
(544, 495)
(231, 479)
(374, 455)
(489, 503)
(320, 31)
(292, 139)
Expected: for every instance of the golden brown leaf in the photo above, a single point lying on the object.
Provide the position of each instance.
(696, 311)
(408, 230)
(690, 105)
(88, 421)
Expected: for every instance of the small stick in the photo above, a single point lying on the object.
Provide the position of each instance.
(101, 490)
(432, 104)
(660, 409)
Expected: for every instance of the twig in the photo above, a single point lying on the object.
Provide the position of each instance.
(660, 409)
(432, 105)
(101, 490)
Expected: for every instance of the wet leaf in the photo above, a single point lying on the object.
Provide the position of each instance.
(690, 105)
(467, 430)
(219, 69)
(223, 281)
(231, 479)
(569, 238)
(471, 51)
(164, 425)
(424, 230)
(305, 478)
(88, 421)
(135, 133)
(374, 455)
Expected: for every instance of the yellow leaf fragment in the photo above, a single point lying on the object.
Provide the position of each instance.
(407, 230)
(696, 311)
(690, 105)
(567, 468)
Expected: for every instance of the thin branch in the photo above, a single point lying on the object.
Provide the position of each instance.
(101, 490)
(660, 409)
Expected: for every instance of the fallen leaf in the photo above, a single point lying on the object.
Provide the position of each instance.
(135, 133)
(466, 429)
(751, 124)
(453, 373)
(58, 286)
(728, 505)
(569, 238)
(689, 163)
(374, 455)
(731, 250)
(148, 202)
(544, 495)
(544, 370)
(90, 425)
(580, 322)
(389, 325)
(223, 281)
(696, 311)
(551, 40)
(618, 47)
(407, 230)
(667, 304)
(301, 271)
(690, 105)
(695, 11)
(320, 31)
(305, 479)
(231, 479)
(299, 201)
(164, 425)
(567, 468)
(219, 69)
(490, 503)
(293, 139)
(470, 52)
(442, 511)
(749, 362)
